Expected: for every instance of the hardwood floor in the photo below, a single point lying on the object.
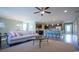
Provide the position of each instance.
(51, 46)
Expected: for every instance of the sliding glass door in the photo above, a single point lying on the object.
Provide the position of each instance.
(68, 31)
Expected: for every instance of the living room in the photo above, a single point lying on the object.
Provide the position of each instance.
(59, 25)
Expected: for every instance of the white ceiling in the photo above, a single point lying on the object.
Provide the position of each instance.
(26, 13)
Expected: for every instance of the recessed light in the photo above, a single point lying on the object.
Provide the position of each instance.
(65, 11)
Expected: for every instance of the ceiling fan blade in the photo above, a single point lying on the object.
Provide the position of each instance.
(38, 8)
(47, 12)
(47, 8)
(36, 12)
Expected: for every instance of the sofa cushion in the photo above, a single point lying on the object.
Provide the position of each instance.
(16, 34)
(12, 34)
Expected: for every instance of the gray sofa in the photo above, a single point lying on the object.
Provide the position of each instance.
(20, 36)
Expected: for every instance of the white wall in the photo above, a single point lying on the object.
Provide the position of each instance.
(76, 31)
(76, 26)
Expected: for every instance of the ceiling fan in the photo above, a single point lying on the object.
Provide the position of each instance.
(42, 10)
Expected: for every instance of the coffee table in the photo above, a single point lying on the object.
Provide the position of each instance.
(40, 38)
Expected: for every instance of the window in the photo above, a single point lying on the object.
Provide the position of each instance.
(68, 28)
(2, 25)
(68, 38)
(24, 26)
(31, 27)
(28, 26)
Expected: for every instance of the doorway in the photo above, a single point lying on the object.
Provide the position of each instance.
(68, 32)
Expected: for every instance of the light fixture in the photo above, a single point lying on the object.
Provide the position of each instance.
(52, 24)
(57, 24)
(47, 25)
(42, 12)
(65, 11)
